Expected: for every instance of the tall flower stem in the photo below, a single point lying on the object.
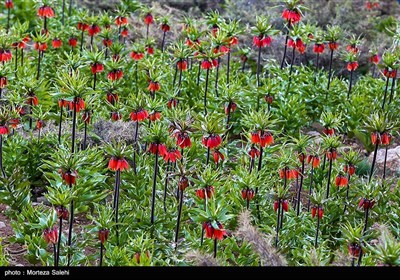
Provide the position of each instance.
(101, 254)
(136, 76)
(178, 221)
(310, 191)
(258, 66)
(180, 83)
(329, 177)
(1, 157)
(16, 61)
(8, 19)
(163, 42)
(256, 192)
(82, 35)
(385, 94)
(284, 187)
(350, 84)
(60, 125)
(392, 88)
(205, 209)
(278, 223)
(70, 8)
(135, 144)
(153, 196)
(116, 200)
(73, 126)
(208, 156)
(330, 74)
(22, 57)
(63, 11)
(175, 74)
(228, 68)
(205, 92)
(347, 193)
(215, 248)
(147, 31)
(364, 229)
(384, 163)
(94, 81)
(91, 42)
(59, 242)
(217, 76)
(251, 165)
(55, 254)
(38, 66)
(198, 74)
(166, 186)
(71, 222)
(243, 66)
(373, 162)
(317, 231)
(291, 69)
(300, 187)
(286, 43)
(84, 136)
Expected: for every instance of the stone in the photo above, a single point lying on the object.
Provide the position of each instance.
(392, 160)
(2, 225)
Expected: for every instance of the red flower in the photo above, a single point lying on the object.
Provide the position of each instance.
(233, 41)
(298, 44)
(301, 157)
(112, 97)
(79, 104)
(14, 122)
(193, 43)
(212, 141)
(69, 177)
(125, 32)
(269, 98)
(56, 43)
(333, 46)
(389, 73)
(255, 137)
(331, 155)
(9, 4)
(107, 42)
(72, 41)
(115, 75)
(97, 68)
(249, 194)
(120, 20)
(207, 191)
(137, 55)
(276, 205)
(172, 155)
(46, 11)
(103, 235)
(366, 203)
(352, 66)
(288, 173)
(165, 27)
(86, 117)
(39, 124)
(285, 205)
(386, 138)
(82, 26)
(154, 86)
(352, 48)
(329, 131)
(51, 235)
(206, 64)
(341, 181)
(62, 212)
(230, 108)
(148, 19)
(116, 163)
(116, 116)
(183, 140)
(155, 116)
(3, 130)
(93, 29)
(254, 152)
(32, 100)
(292, 16)
(221, 49)
(374, 59)
(139, 115)
(349, 169)
(149, 50)
(261, 41)
(218, 156)
(375, 138)
(209, 229)
(3, 82)
(319, 48)
(183, 183)
(354, 249)
(317, 211)
(219, 233)
(5, 55)
(243, 57)
(155, 148)
(266, 139)
(182, 65)
(40, 46)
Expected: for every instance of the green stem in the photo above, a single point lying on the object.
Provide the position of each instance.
(205, 92)
(300, 187)
(373, 162)
(278, 223)
(329, 177)
(153, 196)
(316, 234)
(385, 94)
(330, 74)
(350, 84)
(310, 191)
(217, 76)
(60, 125)
(101, 254)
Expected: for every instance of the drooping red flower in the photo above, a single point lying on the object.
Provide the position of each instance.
(51, 235)
(40, 46)
(352, 48)
(69, 177)
(183, 183)
(118, 163)
(72, 41)
(218, 156)
(115, 75)
(172, 155)
(137, 55)
(375, 58)
(14, 122)
(120, 20)
(328, 131)
(301, 156)
(341, 181)
(82, 26)
(349, 169)
(315, 160)
(269, 98)
(205, 192)
(206, 64)
(333, 46)
(266, 139)
(182, 65)
(93, 29)
(255, 137)
(366, 203)
(319, 48)
(86, 117)
(230, 108)
(285, 205)
(45, 11)
(254, 152)
(262, 41)
(291, 16)
(208, 229)
(352, 66)
(375, 138)
(221, 49)
(165, 27)
(56, 43)
(107, 42)
(386, 137)
(79, 104)
(125, 32)
(159, 148)
(148, 19)
(247, 194)
(193, 43)
(62, 212)
(103, 235)
(354, 249)
(317, 211)
(183, 140)
(32, 100)
(116, 116)
(331, 155)
(389, 73)
(139, 115)
(9, 4)
(97, 68)
(4, 130)
(154, 86)
(39, 124)
(3, 82)
(233, 41)
(287, 173)
(219, 232)
(154, 116)
(112, 98)
(5, 55)
(149, 50)
(276, 205)
(212, 141)
(297, 44)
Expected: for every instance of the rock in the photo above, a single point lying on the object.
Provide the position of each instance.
(2, 225)
(42, 199)
(316, 136)
(392, 161)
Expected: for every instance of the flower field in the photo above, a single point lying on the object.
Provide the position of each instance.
(141, 135)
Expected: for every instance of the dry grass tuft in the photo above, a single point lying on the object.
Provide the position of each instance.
(199, 259)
